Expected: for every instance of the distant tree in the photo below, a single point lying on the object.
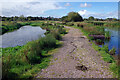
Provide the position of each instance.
(0, 18)
(85, 19)
(114, 19)
(74, 16)
(109, 19)
(15, 18)
(29, 18)
(7, 19)
(118, 19)
(64, 18)
(96, 19)
(21, 18)
(91, 18)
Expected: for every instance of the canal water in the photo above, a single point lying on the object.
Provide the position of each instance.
(114, 41)
(21, 36)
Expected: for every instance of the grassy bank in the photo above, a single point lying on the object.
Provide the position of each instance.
(104, 52)
(105, 23)
(88, 28)
(24, 62)
(11, 26)
(112, 24)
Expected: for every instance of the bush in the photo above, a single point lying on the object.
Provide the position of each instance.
(107, 34)
(80, 25)
(32, 52)
(105, 48)
(70, 24)
(63, 23)
(56, 34)
(115, 68)
(106, 56)
(47, 42)
(99, 41)
(62, 31)
(112, 51)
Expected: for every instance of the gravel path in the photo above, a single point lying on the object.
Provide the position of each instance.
(76, 59)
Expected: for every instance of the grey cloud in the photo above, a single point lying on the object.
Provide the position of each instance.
(28, 8)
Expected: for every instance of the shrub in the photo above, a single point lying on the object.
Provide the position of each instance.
(32, 52)
(56, 34)
(98, 40)
(70, 24)
(91, 38)
(107, 34)
(47, 42)
(105, 48)
(115, 68)
(112, 51)
(62, 31)
(63, 23)
(106, 56)
(80, 25)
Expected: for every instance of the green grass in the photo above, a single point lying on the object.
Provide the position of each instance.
(112, 24)
(24, 61)
(107, 35)
(104, 52)
(27, 60)
(11, 26)
(115, 68)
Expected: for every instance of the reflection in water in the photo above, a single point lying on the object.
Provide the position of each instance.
(21, 36)
(114, 40)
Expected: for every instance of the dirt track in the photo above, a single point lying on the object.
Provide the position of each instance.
(76, 59)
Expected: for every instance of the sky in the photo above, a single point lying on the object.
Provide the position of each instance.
(59, 9)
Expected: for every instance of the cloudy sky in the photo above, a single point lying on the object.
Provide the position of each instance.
(58, 9)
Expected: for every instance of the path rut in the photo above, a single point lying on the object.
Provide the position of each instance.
(76, 59)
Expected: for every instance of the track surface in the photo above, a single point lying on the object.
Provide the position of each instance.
(76, 59)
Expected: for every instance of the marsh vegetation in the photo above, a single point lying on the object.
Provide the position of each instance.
(27, 60)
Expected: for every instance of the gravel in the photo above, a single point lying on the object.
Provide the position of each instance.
(76, 52)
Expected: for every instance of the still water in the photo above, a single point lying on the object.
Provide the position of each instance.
(21, 36)
(114, 41)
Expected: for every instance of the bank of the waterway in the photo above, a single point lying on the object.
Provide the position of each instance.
(25, 61)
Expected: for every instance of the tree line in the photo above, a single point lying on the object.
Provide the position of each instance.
(29, 18)
(71, 16)
(75, 16)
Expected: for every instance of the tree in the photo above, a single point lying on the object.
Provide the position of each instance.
(91, 18)
(15, 18)
(64, 18)
(74, 16)
(114, 19)
(0, 18)
(21, 18)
